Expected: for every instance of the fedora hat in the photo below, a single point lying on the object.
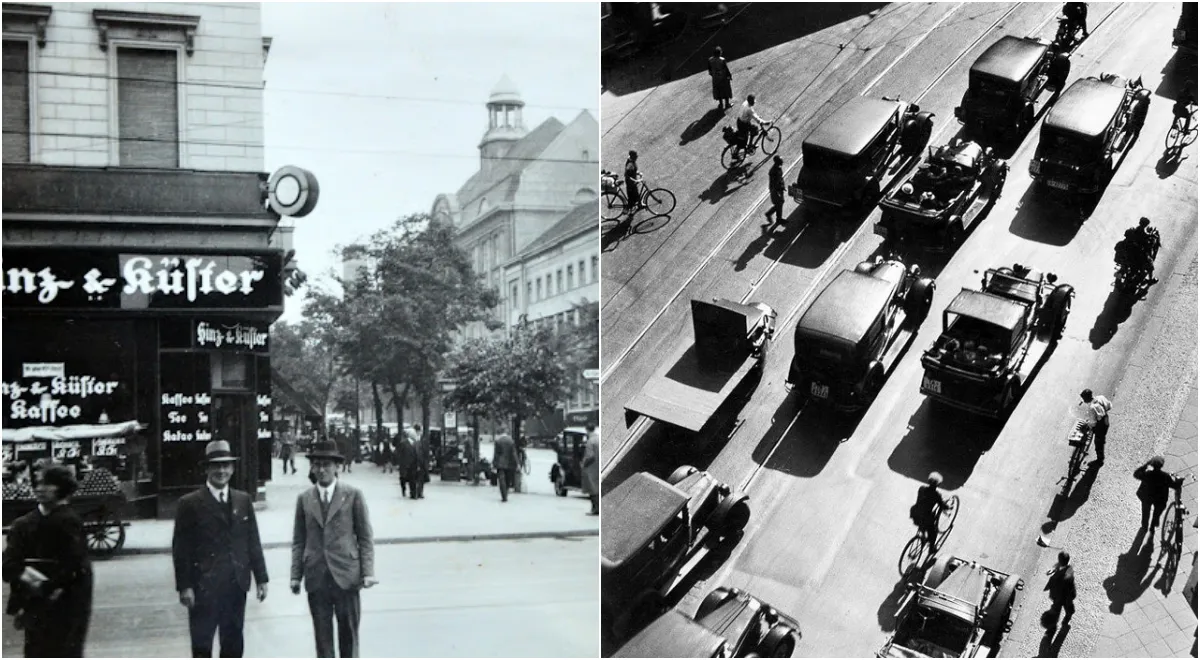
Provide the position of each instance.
(325, 449)
(218, 451)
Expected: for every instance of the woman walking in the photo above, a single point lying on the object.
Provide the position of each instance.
(722, 87)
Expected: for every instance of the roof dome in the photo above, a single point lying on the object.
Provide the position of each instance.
(505, 91)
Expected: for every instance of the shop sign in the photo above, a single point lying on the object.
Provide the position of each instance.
(264, 417)
(253, 337)
(185, 417)
(449, 421)
(53, 401)
(65, 450)
(107, 446)
(112, 280)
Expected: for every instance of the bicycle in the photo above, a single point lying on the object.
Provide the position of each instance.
(1181, 127)
(767, 139)
(919, 549)
(1174, 519)
(1081, 439)
(614, 204)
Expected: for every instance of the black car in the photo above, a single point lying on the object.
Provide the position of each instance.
(1010, 83)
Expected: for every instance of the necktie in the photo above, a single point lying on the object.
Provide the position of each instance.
(222, 497)
(324, 503)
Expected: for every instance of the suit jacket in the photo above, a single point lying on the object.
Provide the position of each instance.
(339, 546)
(406, 455)
(504, 456)
(591, 464)
(213, 544)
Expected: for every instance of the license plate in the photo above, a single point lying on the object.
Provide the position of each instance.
(818, 390)
(1061, 185)
(932, 385)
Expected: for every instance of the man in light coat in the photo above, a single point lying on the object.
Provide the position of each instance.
(591, 469)
(332, 553)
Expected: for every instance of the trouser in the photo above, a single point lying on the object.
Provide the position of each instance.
(222, 611)
(776, 207)
(1058, 606)
(595, 503)
(745, 131)
(416, 484)
(1149, 516)
(1100, 436)
(405, 486)
(331, 602)
(505, 476)
(631, 191)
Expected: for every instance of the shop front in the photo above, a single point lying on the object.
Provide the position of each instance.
(172, 348)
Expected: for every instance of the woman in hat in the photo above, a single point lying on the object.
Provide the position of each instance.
(47, 564)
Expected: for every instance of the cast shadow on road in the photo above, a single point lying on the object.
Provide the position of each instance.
(614, 232)
(805, 450)
(942, 439)
(1053, 640)
(1130, 580)
(1066, 504)
(819, 241)
(1173, 156)
(730, 181)
(1047, 216)
(886, 614)
(1117, 309)
(701, 126)
(1175, 74)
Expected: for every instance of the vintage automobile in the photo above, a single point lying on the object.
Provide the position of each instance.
(567, 471)
(1184, 36)
(730, 623)
(852, 155)
(655, 532)
(1010, 83)
(1086, 132)
(993, 340)
(960, 610)
(936, 205)
(856, 330)
(731, 341)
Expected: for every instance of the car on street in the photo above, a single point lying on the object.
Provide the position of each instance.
(934, 207)
(1009, 85)
(852, 155)
(731, 341)
(729, 623)
(855, 331)
(994, 340)
(1086, 133)
(1184, 36)
(960, 610)
(567, 471)
(655, 532)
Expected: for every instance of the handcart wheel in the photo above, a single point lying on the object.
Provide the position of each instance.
(105, 533)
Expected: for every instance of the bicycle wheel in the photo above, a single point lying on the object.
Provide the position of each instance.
(1170, 525)
(727, 160)
(948, 515)
(660, 201)
(913, 557)
(612, 206)
(770, 140)
(1173, 135)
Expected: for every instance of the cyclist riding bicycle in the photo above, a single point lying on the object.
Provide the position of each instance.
(928, 506)
(1076, 14)
(748, 122)
(632, 179)
(1185, 105)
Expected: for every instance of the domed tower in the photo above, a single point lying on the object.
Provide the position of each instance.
(505, 123)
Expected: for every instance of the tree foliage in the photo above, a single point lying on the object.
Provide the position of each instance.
(305, 354)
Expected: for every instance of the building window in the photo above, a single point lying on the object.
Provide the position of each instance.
(16, 101)
(595, 269)
(528, 292)
(582, 273)
(148, 107)
(559, 280)
(539, 288)
(570, 277)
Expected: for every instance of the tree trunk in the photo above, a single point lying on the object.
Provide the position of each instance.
(399, 400)
(378, 401)
(516, 427)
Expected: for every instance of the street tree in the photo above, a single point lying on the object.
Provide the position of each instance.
(306, 354)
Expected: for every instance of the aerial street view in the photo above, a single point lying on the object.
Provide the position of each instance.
(898, 330)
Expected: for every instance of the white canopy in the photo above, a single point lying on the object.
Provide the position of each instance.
(76, 432)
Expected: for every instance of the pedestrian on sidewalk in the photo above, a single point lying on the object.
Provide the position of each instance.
(1098, 407)
(287, 451)
(722, 80)
(419, 467)
(591, 468)
(1154, 490)
(1061, 586)
(333, 553)
(46, 562)
(778, 188)
(504, 461)
(216, 549)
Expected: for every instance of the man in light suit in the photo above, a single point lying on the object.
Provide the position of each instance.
(332, 552)
(216, 548)
(504, 460)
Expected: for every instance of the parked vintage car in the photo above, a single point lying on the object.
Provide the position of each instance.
(856, 330)
(567, 471)
(654, 531)
(934, 208)
(960, 610)
(1087, 131)
(1010, 84)
(1184, 35)
(857, 150)
(730, 623)
(993, 340)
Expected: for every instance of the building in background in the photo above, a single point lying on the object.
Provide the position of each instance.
(144, 248)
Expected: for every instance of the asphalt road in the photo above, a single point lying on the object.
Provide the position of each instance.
(829, 497)
(535, 598)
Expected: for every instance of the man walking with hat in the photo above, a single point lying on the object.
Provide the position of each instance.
(332, 553)
(216, 548)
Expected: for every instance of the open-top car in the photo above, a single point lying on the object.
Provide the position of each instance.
(730, 623)
(852, 155)
(960, 610)
(655, 533)
(994, 340)
(855, 331)
(1010, 84)
(943, 198)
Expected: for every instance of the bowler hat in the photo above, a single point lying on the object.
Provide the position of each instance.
(325, 449)
(218, 451)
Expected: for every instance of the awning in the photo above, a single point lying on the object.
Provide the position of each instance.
(75, 432)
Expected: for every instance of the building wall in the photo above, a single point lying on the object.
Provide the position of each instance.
(220, 99)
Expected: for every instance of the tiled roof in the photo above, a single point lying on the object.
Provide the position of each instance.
(522, 154)
(582, 217)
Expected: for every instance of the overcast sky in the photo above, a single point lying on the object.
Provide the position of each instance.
(385, 103)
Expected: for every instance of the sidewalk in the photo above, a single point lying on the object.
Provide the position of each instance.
(450, 511)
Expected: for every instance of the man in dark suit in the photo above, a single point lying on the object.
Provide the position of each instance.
(216, 548)
(406, 463)
(504, 460)
(420, 468)
(333, 553)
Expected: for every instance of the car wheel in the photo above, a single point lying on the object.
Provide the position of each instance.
(937, 573)
(731, 515)
(1058, 308)
(1008, 397)
(681, 473)
(873, 381)
(560, 488)
(780, 642)
(995, 618)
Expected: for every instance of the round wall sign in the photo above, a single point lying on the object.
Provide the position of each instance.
(293, 191)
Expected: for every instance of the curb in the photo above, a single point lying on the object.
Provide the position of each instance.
(452, 538)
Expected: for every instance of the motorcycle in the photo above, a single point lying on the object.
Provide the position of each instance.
(1131, 279)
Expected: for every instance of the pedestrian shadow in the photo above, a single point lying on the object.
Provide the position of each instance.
(1117, 309)
(886, 614)
(1053, 640)
(775, 234)
(1168, 558)
(701, 126)
(1130, 580)
(1172, 157)
(1071, 502)
(731, 180)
